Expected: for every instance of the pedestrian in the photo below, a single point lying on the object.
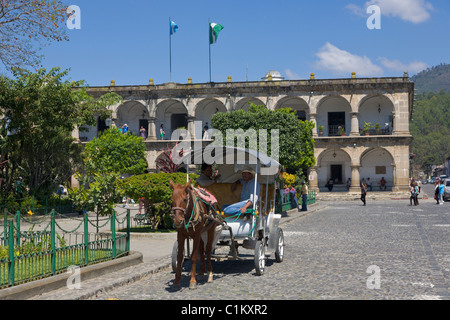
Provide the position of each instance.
(349, 184)
(142, 205)
(125, 128)
(205, 131)
(304, 194)
(363, 192)
(441, 191)
(436, 191)
(162, 132)
(142, 132)
(369, 184)
(383, 184)
(293, 197)
(121, 129)
(413, 192)
(18, 186)
(329, 184)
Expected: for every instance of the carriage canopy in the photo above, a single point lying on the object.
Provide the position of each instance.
(232, 160)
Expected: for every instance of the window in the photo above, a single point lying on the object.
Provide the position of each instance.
(380, 170)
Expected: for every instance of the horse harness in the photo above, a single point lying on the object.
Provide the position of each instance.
(196, 216)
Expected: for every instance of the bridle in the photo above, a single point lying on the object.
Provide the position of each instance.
(183, 210)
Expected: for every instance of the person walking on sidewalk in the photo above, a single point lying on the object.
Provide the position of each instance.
(363, 192)
(441, 191)
(436, 192)
(413, 197)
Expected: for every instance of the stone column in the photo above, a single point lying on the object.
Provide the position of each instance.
(354, 128)
(313, 182)
(76, 133)
(355, 186)
(151, 130)
(191, 126)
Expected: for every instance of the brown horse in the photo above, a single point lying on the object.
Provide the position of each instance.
(192, 223)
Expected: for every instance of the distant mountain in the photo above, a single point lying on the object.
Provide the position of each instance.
(435, 79)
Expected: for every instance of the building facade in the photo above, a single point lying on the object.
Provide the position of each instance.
(339, 107)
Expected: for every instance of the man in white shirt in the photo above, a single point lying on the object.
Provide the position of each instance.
(247, 197)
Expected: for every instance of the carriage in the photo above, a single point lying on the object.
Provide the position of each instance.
(261, 232)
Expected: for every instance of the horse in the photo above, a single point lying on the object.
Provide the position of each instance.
(192, 222)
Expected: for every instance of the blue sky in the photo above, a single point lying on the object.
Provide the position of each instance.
(128, 41)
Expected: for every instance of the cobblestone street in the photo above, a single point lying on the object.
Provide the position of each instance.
(332, 254)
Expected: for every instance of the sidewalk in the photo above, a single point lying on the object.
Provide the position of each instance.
(156, 250)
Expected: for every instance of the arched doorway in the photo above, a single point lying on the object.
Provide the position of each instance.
(377, 163)
(333, 163)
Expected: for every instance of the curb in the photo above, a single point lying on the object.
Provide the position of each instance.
(37, 287)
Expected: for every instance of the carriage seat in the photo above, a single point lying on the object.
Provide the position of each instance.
(224, 196)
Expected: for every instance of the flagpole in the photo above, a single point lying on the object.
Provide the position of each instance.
(209, 32)
(170, 48)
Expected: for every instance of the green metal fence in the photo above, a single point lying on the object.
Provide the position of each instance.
(284, 203)
(30, 255)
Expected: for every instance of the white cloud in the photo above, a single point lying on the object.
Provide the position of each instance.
(343, 63)
(291, 75)
(415, 11)
(396, 65)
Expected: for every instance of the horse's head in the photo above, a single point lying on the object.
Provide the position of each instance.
(180, 202)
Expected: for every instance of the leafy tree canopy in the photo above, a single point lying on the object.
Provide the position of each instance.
(115, 152)
(430, 128)
(296, 145)
(38, 113)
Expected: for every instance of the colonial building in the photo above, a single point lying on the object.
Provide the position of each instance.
(341, 107)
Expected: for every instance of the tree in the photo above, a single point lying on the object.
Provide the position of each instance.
(115, 152)
(430, 128)
(106, 158)
(27, 24)
(296, 145)
(39, 111)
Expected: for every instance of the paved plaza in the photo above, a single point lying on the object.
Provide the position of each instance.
(386, 250)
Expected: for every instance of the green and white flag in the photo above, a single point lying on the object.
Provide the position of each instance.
(214, 30)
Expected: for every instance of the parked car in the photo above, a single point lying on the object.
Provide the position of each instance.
(447, 190)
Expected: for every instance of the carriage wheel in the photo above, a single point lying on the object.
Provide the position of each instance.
(174, 256)
(279, 251)
(260, 258)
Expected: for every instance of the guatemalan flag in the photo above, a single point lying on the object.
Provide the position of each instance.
(173, 27)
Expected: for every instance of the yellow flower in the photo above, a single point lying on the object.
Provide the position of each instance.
(30, 213)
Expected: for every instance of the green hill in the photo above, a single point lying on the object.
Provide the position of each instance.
(433, 79)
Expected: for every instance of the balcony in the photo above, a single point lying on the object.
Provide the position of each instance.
(340, 130)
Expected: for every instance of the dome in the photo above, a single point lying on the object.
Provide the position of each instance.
(276, 76)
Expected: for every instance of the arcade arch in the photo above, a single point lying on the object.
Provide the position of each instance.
(377, 109)
(173, 114)
(297, 104)
(334, 112)
(204, 110)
